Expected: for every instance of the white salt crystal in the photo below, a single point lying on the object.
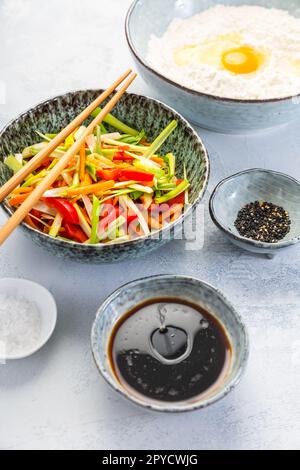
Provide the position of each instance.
(20, 325)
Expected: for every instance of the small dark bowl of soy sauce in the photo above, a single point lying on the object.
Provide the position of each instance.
(170, 343)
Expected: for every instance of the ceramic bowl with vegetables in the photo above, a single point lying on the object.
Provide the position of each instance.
(137, 177)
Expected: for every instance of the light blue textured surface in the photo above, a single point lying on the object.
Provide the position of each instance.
(56, 399)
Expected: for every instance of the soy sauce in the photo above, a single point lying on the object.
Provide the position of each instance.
(169, 350)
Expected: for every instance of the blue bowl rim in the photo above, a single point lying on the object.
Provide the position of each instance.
(152, 235)
(239, 238)
(160, 407)
(184, 88)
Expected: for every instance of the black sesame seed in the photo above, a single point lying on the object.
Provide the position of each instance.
(263, 221)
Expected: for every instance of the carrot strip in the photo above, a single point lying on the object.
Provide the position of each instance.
(82, 164)
(87, 180)
(22, 190)
(158, 160)
(136, 229)
(149, 184)
(16, 200)
(72, 163)
(30, 222)
(91, 189)
(176, 209)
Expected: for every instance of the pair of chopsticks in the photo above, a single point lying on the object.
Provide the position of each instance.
(24, 209)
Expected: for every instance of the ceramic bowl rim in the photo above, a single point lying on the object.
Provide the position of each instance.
(152, 235)
(191, 91)
(160, 407)
(240, 238)
(41, 344)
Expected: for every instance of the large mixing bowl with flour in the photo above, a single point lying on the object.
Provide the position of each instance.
(152, 17)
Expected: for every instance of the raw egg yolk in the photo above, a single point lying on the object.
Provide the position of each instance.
(241, 60)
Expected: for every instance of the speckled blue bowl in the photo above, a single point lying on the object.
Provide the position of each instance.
(235, 192)
(170, 286)
(148, 17)
(137, 111)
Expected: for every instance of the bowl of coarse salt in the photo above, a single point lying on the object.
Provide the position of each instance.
(28, 317)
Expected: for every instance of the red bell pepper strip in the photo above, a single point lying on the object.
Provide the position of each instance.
(36, 213)
(176, 200)
(74, 233)
(131, 218)
(137, 175)
(65, 208)
(120, 156)
(125, 174)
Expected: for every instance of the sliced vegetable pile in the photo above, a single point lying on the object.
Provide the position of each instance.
(117, 189)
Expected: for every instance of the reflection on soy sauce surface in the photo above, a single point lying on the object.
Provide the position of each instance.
(169, 350)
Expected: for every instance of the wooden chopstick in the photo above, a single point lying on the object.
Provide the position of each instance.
(38, 192)
(36, 161)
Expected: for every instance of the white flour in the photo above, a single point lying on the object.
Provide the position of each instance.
(20, 325)
(272, 30)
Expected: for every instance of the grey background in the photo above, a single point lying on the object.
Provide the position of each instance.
(56, 399)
